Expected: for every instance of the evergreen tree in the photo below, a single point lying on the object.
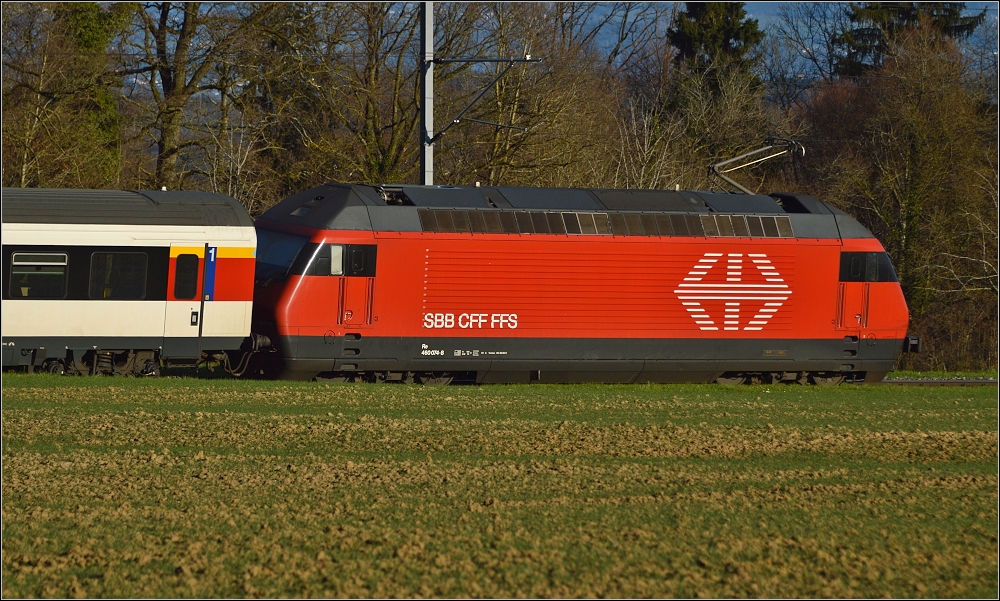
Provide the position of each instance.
(61, 120)
(877, 24)
(714, 33)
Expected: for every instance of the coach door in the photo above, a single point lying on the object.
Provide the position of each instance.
(357, 287)
(183, 322)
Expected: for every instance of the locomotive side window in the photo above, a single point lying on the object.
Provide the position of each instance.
(360, 259)
(866, 267)
(38, 275)
(444, 221)
(784, 227)
(427, 221)
(618, 226)
(539, 223)
(477, 222)
(336, 259)
(493, 222)
(725, 223)
(118, 276)
(633, 225)
(694, 225)
(663, 224)
(320, 259)
(708, 222)
(556, 225)
(328, 260)
(602, 224)
(508, 223)
(461, 221)
(770, 227)
(524, 222)
(648, 224)
(754, 226)
(740, 226)
(186, 276)
(572, 223)
(679, 225)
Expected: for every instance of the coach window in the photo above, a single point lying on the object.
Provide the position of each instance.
(118, 276)
(185, 276)
(38, 275)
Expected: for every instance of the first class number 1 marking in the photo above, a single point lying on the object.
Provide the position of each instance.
(471, 320)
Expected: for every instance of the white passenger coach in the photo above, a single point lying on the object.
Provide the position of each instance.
(122, 282)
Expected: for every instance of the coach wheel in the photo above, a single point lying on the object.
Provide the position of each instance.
(151, 369)
(731, 379)
(55, 367)
(826, 380)
(433, 379)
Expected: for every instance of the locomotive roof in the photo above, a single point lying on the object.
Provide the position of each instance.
(122, 207)
(396, 208)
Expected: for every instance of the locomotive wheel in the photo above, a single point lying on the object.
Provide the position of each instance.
(826, 380)
(731, 379)
(327, 376)
(433, 379)
(55, 367)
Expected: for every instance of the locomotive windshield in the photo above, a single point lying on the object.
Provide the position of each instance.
(275, 252)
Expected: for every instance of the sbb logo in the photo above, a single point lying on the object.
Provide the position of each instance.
(470, 320)
(439, 320)
(745, 300)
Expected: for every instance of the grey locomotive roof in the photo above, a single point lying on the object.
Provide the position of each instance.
(395, 208)
(121, 207)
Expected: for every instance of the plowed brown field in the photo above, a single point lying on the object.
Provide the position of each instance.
(199, 488)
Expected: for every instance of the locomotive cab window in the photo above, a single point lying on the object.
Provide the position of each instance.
(38, 275)
(118, 276)
(866, 267)
(276, 251)
(335, 259)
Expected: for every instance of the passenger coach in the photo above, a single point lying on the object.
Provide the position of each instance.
(99, 281)
(494, 284)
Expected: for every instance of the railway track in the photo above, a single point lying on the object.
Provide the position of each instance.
(941, 381)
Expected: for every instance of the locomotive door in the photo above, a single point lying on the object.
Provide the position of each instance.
(852, 306)
(356, 307)
(357, 287)
(186, 285)
(852, 315)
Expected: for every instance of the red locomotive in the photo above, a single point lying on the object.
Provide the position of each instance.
(498, 284)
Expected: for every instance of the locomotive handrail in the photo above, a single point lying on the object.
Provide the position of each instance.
(783, 145)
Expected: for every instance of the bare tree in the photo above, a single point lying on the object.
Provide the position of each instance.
(811, 29)
(651, 154)
(173, 53)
